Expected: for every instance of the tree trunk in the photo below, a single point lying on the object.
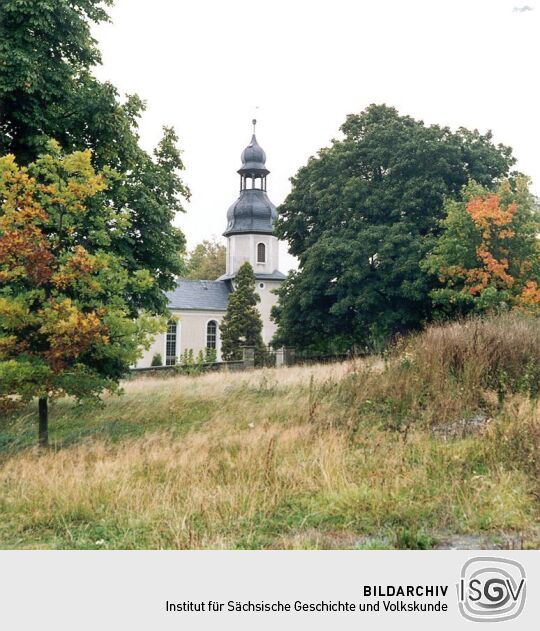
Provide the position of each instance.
(43, 405)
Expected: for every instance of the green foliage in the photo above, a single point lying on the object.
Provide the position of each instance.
(515, 441)
(44, 48)
(157, 360)
(47, 90)
(142, 459)
(191, 364)
(187, 358)
(488, 255)
(65, 321)
(361, 217)
(206, 261)
(242, 324)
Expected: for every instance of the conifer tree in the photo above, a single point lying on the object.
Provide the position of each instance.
(242, 324)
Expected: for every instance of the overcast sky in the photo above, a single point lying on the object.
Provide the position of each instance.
(205, 66)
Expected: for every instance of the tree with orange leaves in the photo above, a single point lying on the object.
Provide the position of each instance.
(65, 325)
(488, 255)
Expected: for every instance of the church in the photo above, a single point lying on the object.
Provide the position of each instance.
(198, 306)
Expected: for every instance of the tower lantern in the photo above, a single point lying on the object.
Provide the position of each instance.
(250, 233)
(253, 171)
(253, 212)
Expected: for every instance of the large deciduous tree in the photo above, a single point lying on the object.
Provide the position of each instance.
(362, 215)
(47, 90)
(206, 261)
(65, 322)
(242, 324)
(488, 255)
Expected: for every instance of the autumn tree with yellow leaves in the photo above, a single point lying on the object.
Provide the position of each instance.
(488, 255)
(65, 321)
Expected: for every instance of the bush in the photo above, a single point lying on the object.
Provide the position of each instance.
(447, 374)
(191, 364)
(500, 353)
(157, 360)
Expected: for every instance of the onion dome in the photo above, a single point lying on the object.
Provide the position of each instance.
(253, 159)
(252, 212)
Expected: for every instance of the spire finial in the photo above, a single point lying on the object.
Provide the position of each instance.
(254, 122)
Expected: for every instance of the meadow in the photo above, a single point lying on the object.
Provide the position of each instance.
(434, 445)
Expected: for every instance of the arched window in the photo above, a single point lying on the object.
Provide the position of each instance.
(261, 253)
(171, 344)
(211, 334)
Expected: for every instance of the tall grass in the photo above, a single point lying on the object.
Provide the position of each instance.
(501, 353)
(319, 456)
(449, 372)
(225, 488)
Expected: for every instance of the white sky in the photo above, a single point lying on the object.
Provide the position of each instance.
(205, 66)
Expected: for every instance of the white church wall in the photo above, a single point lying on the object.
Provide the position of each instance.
(242, 248)
(271, 249)
(194, 328)
(239, 251)
(268, 300)
(157, 347)
(191, 334)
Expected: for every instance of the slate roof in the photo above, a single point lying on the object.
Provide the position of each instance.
(199, 295)
(253, 159)
(252, 212)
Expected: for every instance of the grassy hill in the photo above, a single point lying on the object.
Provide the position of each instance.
(436, 446)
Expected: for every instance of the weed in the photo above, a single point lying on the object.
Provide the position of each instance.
(337, 455)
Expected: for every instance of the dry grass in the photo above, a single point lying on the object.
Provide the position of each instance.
(219, 383)
(225, 487)
(320, 456)
(501, 353)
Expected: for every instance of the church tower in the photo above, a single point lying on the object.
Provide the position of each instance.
(249, 233)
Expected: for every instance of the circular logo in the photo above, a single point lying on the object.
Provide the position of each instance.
(491, 589)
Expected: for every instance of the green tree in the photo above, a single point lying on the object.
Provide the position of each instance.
(47, 90)
(361, 217)
(488, 255)
(242, 324)
(206, 261)
(65, 324)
